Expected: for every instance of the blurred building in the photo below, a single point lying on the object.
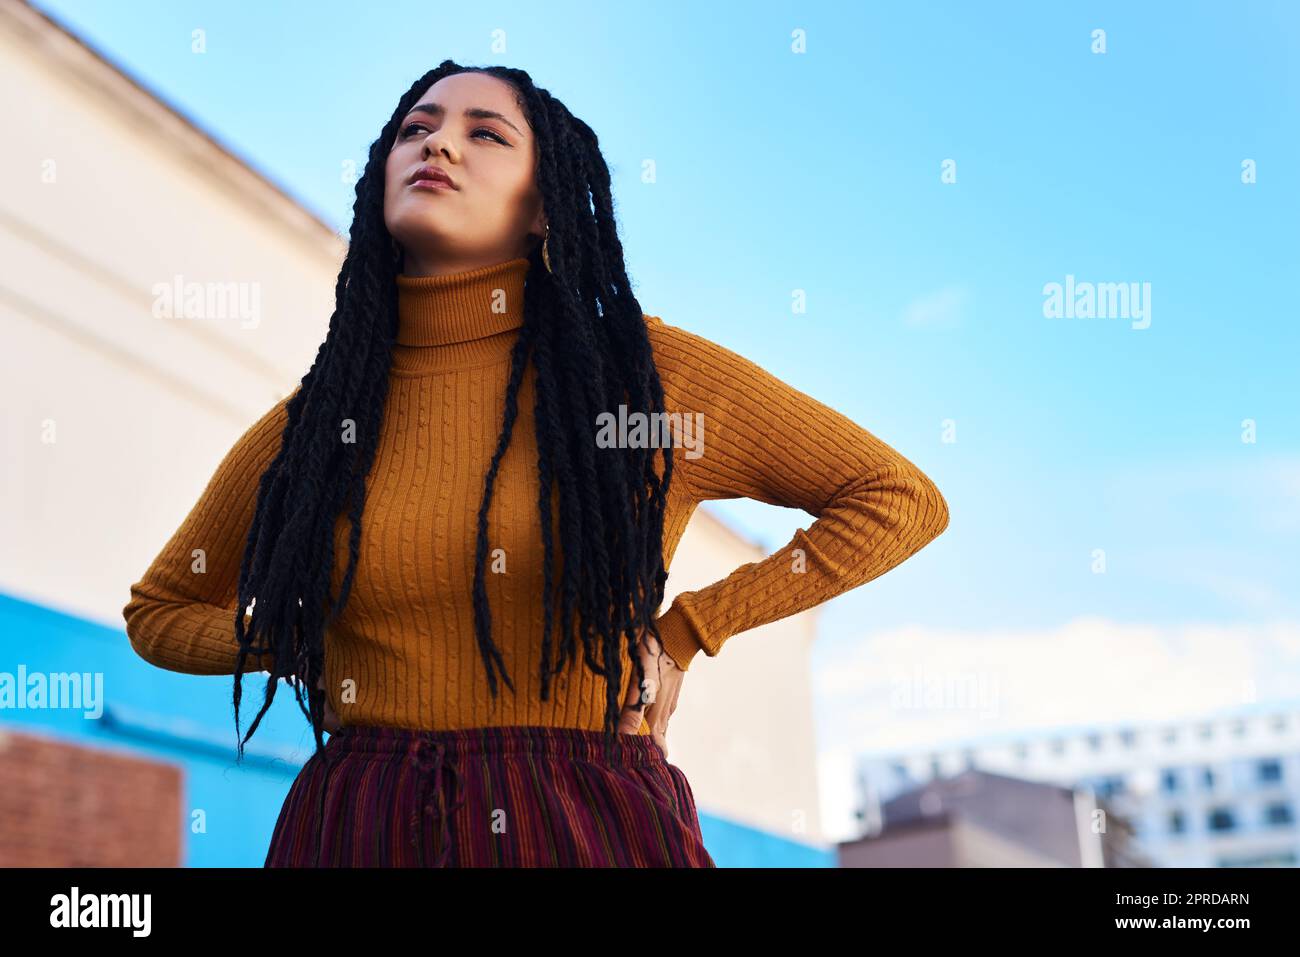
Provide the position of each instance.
(979, 819)
(114, 420)
(1220, 791)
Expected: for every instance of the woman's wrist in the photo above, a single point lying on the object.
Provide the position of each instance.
(675, 635)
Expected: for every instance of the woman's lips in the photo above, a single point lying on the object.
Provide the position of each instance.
(434, 184)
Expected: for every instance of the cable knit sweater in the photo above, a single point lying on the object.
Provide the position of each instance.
(404, 653)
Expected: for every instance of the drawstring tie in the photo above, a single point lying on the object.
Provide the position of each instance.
(430, 769)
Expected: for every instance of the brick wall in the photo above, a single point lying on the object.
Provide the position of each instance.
(67, 805)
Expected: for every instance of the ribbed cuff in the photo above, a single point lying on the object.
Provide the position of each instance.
(677, 637)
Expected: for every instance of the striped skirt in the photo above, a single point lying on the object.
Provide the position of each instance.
(514, 796)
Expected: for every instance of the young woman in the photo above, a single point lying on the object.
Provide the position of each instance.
(443, 507)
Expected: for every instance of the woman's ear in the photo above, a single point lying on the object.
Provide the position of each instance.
(538, 232)
(538, 227)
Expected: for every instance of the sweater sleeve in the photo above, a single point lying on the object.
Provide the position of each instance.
(181, 615)
(765, 440)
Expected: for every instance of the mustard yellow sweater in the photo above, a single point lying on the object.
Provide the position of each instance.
(404, 647)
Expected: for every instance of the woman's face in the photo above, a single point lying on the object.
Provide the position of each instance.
(468, 125)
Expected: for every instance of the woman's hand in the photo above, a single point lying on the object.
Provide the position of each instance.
(331, 720)
(658, 698)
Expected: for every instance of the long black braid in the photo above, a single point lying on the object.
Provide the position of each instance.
(584, 332)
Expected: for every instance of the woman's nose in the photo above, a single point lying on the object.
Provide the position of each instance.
(435, 143)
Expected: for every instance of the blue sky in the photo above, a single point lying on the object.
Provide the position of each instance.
(821, 171)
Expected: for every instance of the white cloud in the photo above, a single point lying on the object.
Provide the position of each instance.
(918, 687)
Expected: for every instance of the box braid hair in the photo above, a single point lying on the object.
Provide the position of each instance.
(584, 331)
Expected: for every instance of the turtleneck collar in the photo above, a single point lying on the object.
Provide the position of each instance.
(461, 320)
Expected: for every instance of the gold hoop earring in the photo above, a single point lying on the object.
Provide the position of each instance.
(546, 256)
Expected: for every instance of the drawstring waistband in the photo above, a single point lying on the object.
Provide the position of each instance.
(431, 774)
(436, 751)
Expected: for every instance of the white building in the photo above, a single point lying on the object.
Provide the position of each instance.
(1220, 791)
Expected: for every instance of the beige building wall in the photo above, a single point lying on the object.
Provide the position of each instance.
(115, 417)
(743, 730)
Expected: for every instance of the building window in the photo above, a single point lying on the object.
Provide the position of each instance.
(1171, 736)
(1177, 823)
(1094, 742)
(1221, 819)
(1169, 779)
(1278, 814)
(1116, 784)
(1207, 778)
(1058, 746)
(1270, 769)
(1127, 737)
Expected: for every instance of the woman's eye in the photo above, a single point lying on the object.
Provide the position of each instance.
(496, 137)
